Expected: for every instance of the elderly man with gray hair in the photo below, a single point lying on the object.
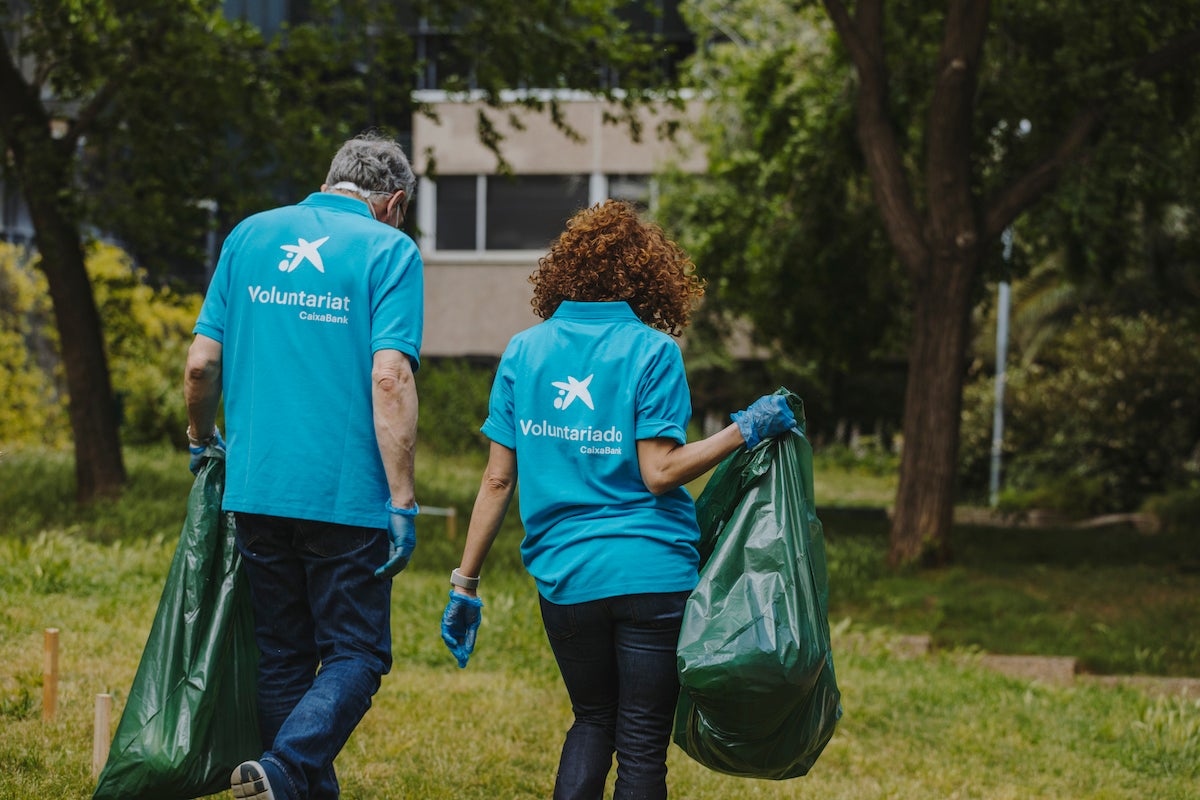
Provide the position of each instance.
(311, 332)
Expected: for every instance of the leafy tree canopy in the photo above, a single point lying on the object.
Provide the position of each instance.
(784, 223)
(142, 120)
(172, 109)
(933, 127)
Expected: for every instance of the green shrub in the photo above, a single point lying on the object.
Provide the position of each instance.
(1104, 418)
(454, 402)
(867, 456)
(147, 331)
(32, 407)
(1177, 511)
(855, 563)
(1078, 495)
(975, 439)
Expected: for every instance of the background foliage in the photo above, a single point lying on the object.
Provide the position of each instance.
(147, 331)
(31, 409)
(1101, 409)
(782, 223)
(1106, 268)
(1105, 417)
(453, 396)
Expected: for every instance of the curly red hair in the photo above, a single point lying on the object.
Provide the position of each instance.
(607, 253)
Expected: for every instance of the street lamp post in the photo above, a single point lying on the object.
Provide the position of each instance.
(1002, 303)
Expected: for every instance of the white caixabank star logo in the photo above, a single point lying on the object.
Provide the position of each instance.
(302, 251)
(570, 390)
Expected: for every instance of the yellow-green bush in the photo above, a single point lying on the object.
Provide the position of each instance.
(146, 330)
(32, 406)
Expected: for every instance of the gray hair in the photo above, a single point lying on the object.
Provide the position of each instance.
(372, 163)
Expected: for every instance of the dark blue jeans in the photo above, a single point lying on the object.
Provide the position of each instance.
(323, 625)
(617, 659)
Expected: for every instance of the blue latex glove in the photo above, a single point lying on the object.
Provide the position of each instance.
(767, 416)
(402, 539)
(460, 623)
(197, 451)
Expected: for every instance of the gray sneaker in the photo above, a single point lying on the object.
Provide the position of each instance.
(249, 782)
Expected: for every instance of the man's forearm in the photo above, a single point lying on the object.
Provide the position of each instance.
(202, 386)
(394, 399)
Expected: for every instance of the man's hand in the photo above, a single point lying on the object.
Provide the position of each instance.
(198, 447)
(402, 539)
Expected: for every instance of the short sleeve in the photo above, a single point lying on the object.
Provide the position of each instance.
(664, 405)
(398, 303)
(211, 321)
(500, 425)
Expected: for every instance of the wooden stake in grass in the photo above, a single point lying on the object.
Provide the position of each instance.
(100, 733)
(50, 675)
(451, 515)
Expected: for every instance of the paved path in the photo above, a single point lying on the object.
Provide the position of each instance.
(1055, 670)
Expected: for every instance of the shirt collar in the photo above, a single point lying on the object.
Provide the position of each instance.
(616, 310)
(340, 202)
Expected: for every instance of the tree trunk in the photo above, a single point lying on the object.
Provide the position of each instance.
(932, 414)
(99, 467)
(43, 166)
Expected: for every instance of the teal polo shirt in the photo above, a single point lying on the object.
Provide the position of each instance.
(572, 396)
(301, 299)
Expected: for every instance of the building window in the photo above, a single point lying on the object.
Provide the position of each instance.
(528, 212)
(16, 226)
(633, 189)
(269, 16)
(478, 213)
(456, 212)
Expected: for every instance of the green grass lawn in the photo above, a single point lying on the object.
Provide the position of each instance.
(1118, 601)
(936, 727)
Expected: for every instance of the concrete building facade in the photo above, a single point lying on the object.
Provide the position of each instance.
(482, 230)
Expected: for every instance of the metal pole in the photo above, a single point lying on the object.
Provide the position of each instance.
(210, 239)
(1002, 304)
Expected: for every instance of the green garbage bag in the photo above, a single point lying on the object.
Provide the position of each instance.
(191, 716)
(758, 694)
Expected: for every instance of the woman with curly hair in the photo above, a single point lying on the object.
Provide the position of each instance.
(590, 409)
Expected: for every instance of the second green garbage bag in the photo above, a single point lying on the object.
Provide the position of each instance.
(758, 694)
(191, 715)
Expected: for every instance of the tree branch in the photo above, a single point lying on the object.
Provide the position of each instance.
(863, 37)
(846, 30)
(1026, 190)
(1007, 204)
(88, 113)
(125, 67)
(21, 108)
(951, 112)
(1176, 51)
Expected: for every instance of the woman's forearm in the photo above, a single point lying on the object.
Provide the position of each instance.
(667, 465)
